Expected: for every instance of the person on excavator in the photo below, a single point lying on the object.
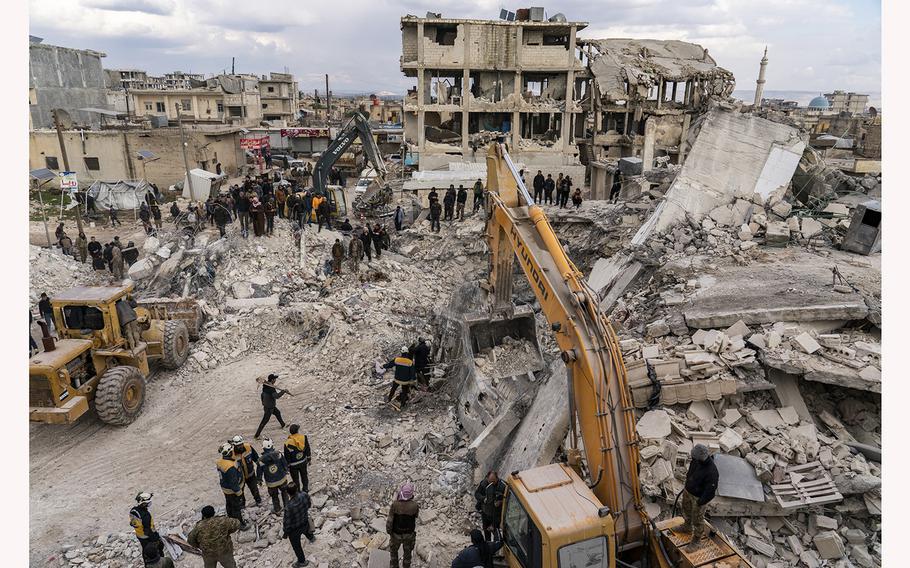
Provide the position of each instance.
(489, 496)
(701, 485)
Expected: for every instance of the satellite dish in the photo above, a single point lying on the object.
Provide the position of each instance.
(66, 121)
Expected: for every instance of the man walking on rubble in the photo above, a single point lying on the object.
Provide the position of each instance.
(421, 354)
(273, 468)
(548, 186)
(247, 457)
(337, 256)
(144, 525)
(355, 250)
(231, 480)
(701, 485)
(489, 495)
(538, 187)
(401, 524)
(399, 218)
(269, 398)
(296, 522)
(222, 217)
(404, 377)
(212, 536)
(297, 453)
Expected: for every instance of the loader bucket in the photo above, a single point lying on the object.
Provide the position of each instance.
(488, 331)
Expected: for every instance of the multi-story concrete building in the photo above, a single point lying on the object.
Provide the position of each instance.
(226, 99)
(480, 79)
(179, 80)
(280, 97)
(839, 101)
(67, 79)
(127, 79)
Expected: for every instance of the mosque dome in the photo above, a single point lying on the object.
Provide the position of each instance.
(819, 103)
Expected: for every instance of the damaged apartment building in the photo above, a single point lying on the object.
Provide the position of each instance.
(563, 103)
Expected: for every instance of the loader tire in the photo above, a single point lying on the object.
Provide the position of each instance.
(175, 347)
(120, 395)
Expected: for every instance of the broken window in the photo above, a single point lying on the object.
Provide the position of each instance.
(186, 104)
(557, 38)
(235, 111)
(220, 106)
(443, 34)
(271, 89)
(92, 164)
(50, 162)
(159, 107)
(265, 105)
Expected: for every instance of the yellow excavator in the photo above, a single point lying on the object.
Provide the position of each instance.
(587, 512)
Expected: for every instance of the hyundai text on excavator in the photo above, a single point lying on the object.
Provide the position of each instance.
(587, 512)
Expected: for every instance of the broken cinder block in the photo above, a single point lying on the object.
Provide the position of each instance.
(806, 343)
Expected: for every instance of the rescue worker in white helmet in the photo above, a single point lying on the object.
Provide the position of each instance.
(274, 470)
(142, 522)
(247, 457)
(231, 479)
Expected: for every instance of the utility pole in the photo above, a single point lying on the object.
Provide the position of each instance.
(232, 65)
(186, 162)
(66, 166)
(328, 100)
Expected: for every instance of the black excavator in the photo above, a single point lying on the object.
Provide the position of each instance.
(377, 195)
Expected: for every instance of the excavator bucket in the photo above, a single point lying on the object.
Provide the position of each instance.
(487, 331)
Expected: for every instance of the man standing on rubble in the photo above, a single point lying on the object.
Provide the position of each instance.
(489, 495)
(337, 256)
(144, 525)
(231, 479)
(323, 215)
(212, 536)
(243, 212)
(548, 186)
(460, 199)
(269, 397)
(404, 377)
(421, 353)
(566, 191)
(399, 218)
(82, 245)
(130, 254)
(117, 263)
(433, 195)
(401, 524)
(538, 187)
(297, 453)
(449, 203)
(478, 194)
(355, 250)
(701, 485)
(366, 237)
(247, 458)
(273, 468)
(222, 218)
(435, 212)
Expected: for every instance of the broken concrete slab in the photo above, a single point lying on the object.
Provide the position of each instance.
(777, 233)
(768, 420)
(788, 415)
(737, 479)
(794, 287)
(488, 445)
(703, 410)
(806, 343)
(786, 391)
(730, 417)
(249, 303)
(739, 328)
(654, 425)
(730, 440)
(829, 545)
(810, 227)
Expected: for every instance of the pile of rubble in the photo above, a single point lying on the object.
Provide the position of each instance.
(511, 357)
(51, 271)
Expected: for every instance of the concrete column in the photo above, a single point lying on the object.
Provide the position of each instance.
(516, 87)
(687, 119)
(570, 89)
(647, 152)
(421, 130)
(466, 92)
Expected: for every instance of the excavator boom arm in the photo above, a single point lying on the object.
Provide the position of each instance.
(358, 126)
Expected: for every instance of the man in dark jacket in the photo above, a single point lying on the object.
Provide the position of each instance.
(548, 187)
(222, 217)
(273, 469)
(435, 212)
(243, 213)
(401, 524)
(538, 187)
(46, 310)
(399, 218)
(448, 203)
(144, 525)
(701, 485)
(421, 355)
(130, 253)
(366, 237)
(231, 480)
(478, 194)
(297, 522)
(404, 377)
(460, 199)
(269, 407)
(480, 553)
(489, 495)
(323, 215)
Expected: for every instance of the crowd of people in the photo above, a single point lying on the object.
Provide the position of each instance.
(545, 187)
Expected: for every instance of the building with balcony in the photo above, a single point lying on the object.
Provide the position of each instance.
(854, 103)
(226, 99)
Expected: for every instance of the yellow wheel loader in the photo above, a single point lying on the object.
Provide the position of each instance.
(93, 362)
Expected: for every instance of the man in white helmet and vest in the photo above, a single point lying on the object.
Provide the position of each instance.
(273, 469)
(142, 522)
(231, 480)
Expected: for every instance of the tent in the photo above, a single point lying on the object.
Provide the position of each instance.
(205, 185)
(123, 194)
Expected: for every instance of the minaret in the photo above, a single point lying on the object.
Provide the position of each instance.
(760, 84)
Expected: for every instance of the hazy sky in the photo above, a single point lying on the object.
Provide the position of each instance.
(813, 45)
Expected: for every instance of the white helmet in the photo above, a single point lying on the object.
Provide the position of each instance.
(226, 449)
(143, 498)
(406, 349)
(237, 440)
(268, 444)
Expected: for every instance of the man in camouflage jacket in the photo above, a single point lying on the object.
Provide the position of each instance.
(212, 535)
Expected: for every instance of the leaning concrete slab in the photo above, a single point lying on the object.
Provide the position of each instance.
(734, 155)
